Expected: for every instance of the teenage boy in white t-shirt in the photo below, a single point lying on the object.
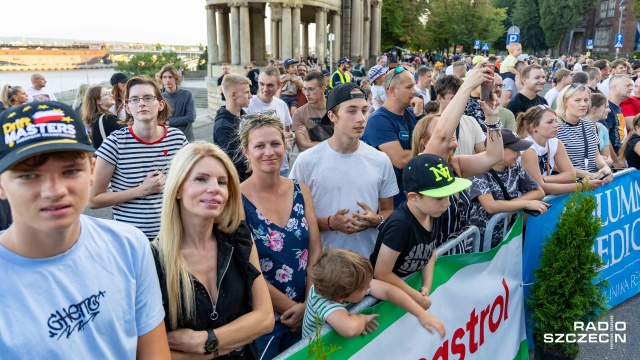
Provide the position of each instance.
(72, 285)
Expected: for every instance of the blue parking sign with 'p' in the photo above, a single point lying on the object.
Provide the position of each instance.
(476, 44)
(513, 38)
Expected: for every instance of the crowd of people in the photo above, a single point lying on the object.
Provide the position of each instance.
(316, 190)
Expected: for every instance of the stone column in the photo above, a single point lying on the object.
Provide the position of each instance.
(244, 34)
(305, 39)
(321, 33)
(375, 28)
(356, 28)
(335, 24)
(258, 35)
(212, 38)
(295, 18)
(280, 39)
(346, 28)
(225, 43)
(286, 31)
(274, 39)
(366, 38)
(235, 34)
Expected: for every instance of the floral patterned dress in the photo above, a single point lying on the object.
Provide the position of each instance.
(284, 251)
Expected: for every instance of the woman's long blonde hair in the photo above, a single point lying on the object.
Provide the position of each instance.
(181, 298)
(421, 131)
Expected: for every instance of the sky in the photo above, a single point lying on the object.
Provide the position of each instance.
(174, 22)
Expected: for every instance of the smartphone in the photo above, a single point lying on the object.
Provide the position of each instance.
(603, 176)
(486, 92)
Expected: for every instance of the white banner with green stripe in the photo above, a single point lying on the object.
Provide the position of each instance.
(478, 297)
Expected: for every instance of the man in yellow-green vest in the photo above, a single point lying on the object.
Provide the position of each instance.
(342, 74)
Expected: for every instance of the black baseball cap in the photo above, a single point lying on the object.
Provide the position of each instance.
(118, 78)
(339, 94)
(511, 140)
(432, 176)
(40, 127)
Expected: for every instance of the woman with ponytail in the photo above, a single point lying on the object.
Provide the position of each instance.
(630, 150)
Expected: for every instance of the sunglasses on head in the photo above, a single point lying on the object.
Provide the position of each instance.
(396, 71)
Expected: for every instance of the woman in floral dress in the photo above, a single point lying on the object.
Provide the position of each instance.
(279, 212)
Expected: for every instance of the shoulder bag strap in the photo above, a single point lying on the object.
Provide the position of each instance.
(407, 121)
(495, 176)
(586, 147)
(548, 159)
(101, 125)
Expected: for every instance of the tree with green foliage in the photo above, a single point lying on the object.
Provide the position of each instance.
(402, 23)
(565, 288)
(460, 22)
(560, 17)
(527, 15)
(203, 60)
(149, 64)
(509, 6)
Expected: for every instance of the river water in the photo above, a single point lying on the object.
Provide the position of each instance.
(58, 81)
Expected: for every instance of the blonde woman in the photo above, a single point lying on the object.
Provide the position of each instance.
(13, 96)
(216, 300)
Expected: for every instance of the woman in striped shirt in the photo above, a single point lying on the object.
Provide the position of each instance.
(135, 159)
(579, 135)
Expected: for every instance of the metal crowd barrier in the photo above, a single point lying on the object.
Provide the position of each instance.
(503, 216)
(369, 300)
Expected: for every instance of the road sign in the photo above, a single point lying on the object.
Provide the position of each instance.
(476, 44)
(619, 40)
(485, 47)
(513, 30)
(513, 38)
(589, 43)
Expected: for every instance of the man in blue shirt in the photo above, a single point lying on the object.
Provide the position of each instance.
(390, 127)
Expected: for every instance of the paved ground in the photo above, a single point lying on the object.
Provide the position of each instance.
(628, 311)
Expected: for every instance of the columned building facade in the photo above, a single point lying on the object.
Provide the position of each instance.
(236, 32)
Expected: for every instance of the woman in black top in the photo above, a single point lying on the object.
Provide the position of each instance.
(215, 298)
(630, 151)
(96, 116)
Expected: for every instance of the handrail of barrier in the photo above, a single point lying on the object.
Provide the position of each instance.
(369, 300)
(495, 219)
(471, 231)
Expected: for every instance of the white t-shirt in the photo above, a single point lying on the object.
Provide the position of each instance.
(449, 70)
(122, 115)
(470, 134)
(281, 109)
(425, 94)
(551, 96)
(604, 86)
(40, 95)
(91, 302)
(577, 67)
(337, 181)
(378, 92)
(542, 154)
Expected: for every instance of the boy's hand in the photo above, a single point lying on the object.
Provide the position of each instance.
(340, 221)
(423, 300)
(537, 205)
(431, 323)
(371, 324)
(424, 291)
(294, 316)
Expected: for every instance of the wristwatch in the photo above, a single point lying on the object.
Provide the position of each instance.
(211, 345)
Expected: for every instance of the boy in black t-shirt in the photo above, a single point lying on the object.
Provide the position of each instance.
(406, 243)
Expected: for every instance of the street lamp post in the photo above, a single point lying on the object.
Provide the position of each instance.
(622, 8)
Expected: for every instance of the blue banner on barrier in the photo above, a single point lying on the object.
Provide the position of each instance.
(618, 242)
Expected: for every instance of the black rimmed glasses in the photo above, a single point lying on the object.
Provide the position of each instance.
(396, 71)
(146, 99)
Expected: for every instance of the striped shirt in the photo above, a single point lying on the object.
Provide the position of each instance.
(573, 138)
(320, 307)
(134, 159)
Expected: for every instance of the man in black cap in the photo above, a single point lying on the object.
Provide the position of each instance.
(352, 184)
(72, 284)
(341, 75)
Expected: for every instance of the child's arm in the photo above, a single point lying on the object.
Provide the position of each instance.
(427, 276)
(352, 325)
(384, 271)
(386, 291)
(529, 200)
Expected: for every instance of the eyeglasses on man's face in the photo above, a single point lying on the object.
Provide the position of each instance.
(146, 99)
